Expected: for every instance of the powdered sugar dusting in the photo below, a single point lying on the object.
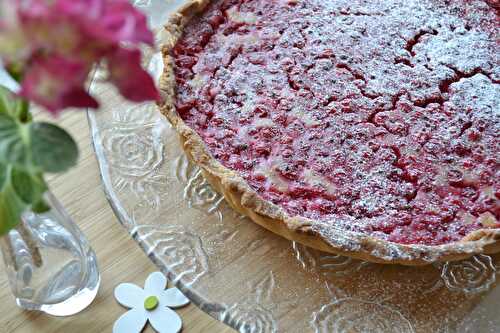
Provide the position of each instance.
(374, 118)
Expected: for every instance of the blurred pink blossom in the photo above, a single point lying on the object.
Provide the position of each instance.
(56, 83)
(127, 74)
(56, 42)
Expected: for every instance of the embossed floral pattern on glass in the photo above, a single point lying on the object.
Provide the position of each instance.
(248, 277)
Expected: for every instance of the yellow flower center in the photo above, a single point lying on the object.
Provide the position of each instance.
(151, 303)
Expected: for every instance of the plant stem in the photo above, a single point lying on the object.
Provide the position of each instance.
(27, 236)
(9, 251)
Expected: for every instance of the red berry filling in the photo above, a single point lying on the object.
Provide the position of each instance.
(378, 116)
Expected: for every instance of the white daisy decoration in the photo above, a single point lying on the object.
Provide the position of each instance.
(152, 303)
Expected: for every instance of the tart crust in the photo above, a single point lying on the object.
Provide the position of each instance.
(315, 234)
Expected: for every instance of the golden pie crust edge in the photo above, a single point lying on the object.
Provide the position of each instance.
(315, 234)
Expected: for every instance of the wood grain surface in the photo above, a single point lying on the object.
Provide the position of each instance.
(120, 258)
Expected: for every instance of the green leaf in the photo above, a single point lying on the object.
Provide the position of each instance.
(52, 148)
(40, 207)
(17, 108)
(20, 190)
(28, 187)
(13, 134)
(5, 100)
(11, 206)
(3, 175)
(21, 182)
(12, 147)
(11, 209)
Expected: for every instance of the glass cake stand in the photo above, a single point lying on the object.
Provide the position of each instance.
(248, 277)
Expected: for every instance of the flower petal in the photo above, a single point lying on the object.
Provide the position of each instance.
(130, 295)
(155, 284)
(134, 83)
(79, 98)
(132, 321)
(173, 298)
(125, 23)
(165, 320)
(57, 83)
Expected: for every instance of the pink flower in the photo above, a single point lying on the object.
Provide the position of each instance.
(75, 34)
(130, 78)
(121, 22)
(56, 83)
(110, 21)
